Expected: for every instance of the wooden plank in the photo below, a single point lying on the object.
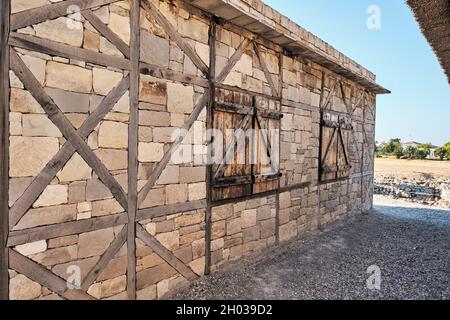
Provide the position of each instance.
(54, 48)
(48, 173)
(166, 158)
(162, 211)
(5, 9)
(263, 65)
(164, 253)
(233, 60)
(330, 95)
(166, 74)
(106, 257)
(154, 12)
(65, 229)
(209, 126)
(133, 129)
(43, 276)
(245, 91)
(233, 108)
(52, 11)
(106, 32)
(63, 124)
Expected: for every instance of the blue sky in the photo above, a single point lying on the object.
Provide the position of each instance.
(419, 106)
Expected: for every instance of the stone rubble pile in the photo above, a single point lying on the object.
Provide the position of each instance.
(429, 191)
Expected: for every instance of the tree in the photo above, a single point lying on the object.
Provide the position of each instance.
(394, 147)
(421, 154)
(410, 152)
(441, 153)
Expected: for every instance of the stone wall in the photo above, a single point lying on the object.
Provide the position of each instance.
(76, 192)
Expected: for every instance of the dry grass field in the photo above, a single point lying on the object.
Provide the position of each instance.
(412, 168)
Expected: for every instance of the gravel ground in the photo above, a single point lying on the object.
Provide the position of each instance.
(410, 245)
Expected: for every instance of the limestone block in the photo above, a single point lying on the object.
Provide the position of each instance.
(193, 29)
(22, 101)
(85, 266)
(56, 256)
(108, 48)
(197, 191)
(96, 190)
(28, 155)
(32, 248)
(156, 197)
(113, 159)
(198, 266)
(218, 229)
(154, 50)
(120, 25)
(203, 52)
(221, 212)
(113, 135)
(244, 65)
(198, 248)
(148, 293)
(176, 193)
(154, 118)
(170, 175)
(69, 102)
(180, 98)
(106, 207)
(22, 288)
(38, 125)
(94, 243)
(52, 195)
(105, 80)
(62, 29)
(165, 134)
(248, 218)
(153, 275)
(91, 40)
(17, 187)
(288, 231)
(170, 240)
(233, 226)
(22, 5)
(75, 169)
(150, 152)
(184, 254)
(108, 288)
(123, 105)
(149, 261)
(153, 91)
(189, 219)
(192, 174)
(77, 192)
(68, 77)
(251, 234)
(36, 66)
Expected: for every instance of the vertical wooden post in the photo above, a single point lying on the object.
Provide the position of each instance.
(362, 154)
(5, 10)
(277, 196)
(209, 126)
(133, 147)
(319, 171)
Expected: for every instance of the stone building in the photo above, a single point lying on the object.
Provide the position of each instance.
(106, 193)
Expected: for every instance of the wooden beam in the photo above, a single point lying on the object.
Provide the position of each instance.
(133, 130)
(106, 257)
(106, 32)
(52, 11)
(233, 60)
(263, 65)
(54, 48)
(48, 173)
(164, 253)
(5, 9)
(44, 277)
(330, 95)
(167, 74)
(167, 156)
(154, 12)
(162, 211)
(65, 229)
(65, 126)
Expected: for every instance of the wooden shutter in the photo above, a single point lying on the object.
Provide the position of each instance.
(266, 169)
(232, 178)
(334, 157)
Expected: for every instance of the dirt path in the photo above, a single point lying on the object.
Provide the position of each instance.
(411, 246)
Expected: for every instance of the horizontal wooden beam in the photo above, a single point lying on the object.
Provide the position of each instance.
(54, 48)
(65, 229)
(52, 11)
(167, 74)
(161, 211)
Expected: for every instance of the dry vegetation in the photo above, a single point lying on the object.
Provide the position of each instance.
(412, 168)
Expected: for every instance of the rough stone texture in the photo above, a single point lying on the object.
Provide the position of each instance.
(32, 248)
(68, 77)
(157, 53)
(22, 288)
(94, 243)
(69, 101)
(37, 125)
(52, 195)
(150, 152)
(121, 26)
(104, 80)
(113, 159)
(75, 169)
(153, 91)
(62, 29)
(45, 216)
(28, 155)
(180, 98)
(113, 135)
(23, 101)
